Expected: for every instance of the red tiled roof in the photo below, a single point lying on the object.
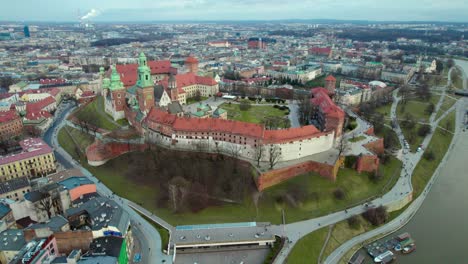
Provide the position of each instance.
(32, 147)
(187, 79)
(39, 105)
(52, 81)
(284, 135)
(319, 50)
(36, 115)
(191, 59)
(129, 75)
(8, 116)
(324, 102)
(214, 125)
(330, 78)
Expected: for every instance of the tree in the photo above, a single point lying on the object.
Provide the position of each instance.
(5, 82)
(409, 121)
(234, 150)
(354, 222)
(439, 66)
(197, 96)
(339, 194)
(45, 204)
(448, 126)
(342, 146)
(274, 155)
(376, 216)
(259, 153)
(430, 108)
(450, 63)
(423, 130)
(244, 105)
(429, 155)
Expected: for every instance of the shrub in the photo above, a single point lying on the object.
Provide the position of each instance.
(339, 194)
(350, 161)
(354, 222)
(423, 130)
(376, 216)
(429, 155)
(244, 105)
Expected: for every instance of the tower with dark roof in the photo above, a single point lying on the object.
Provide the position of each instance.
(191, 63)
(172, 85)
(145, 85)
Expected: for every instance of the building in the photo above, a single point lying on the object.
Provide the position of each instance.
(37, 251)
(191, 64)
(158, 69)
(11, 243)
(50, 200)
(297, 75)
(234, 138)
(329, 117)
(26, 32)
(103, 216)
(78, 187)
(15, 188)
(6, 216)
(114, 95)
(330, 84)
(11, 125)
(184, 86)
(35, 159)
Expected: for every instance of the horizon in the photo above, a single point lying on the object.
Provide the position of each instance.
(241, 10)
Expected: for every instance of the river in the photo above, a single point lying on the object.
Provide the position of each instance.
(440, 226)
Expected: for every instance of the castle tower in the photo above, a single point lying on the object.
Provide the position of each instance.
(145, 85)
(117, 91)
(330, 84)
(191, 63)
(172, 85)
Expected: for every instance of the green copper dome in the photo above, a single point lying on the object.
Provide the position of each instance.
(105, 83)
(144, 73)
(115, 83)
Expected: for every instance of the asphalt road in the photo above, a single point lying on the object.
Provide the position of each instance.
(152, 252)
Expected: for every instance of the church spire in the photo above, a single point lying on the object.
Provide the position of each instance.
(144, 72)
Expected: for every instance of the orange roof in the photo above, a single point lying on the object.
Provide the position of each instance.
(215, 125)
(330, 78)
(129, 75)
(325, 103)
(284, 135)
(191, 59)
(8, 116)
(187, 79)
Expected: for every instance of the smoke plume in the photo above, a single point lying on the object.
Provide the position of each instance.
(92, 13)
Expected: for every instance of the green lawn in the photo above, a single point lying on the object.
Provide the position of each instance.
(67, 141)
(385, 111)
(416, 108)
(94, 114)
(192, 100)
(446, 104)
(457, 78)
(356, 139)
(256, 113)
(317, 194)
(438, 145)
(307, 249)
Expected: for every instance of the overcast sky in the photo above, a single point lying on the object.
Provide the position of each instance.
(153, 10)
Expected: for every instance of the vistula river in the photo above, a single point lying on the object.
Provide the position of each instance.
(440, 227)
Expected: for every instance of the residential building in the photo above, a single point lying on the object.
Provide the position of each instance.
(11, 125)
(35, 159)
(15, 188)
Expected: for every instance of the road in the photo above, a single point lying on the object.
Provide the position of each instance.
(146, 233)
(401, 220)
(401, 191)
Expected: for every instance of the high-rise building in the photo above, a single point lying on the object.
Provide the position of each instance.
(26, 32)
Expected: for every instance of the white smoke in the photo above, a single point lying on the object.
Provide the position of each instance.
(92, 13)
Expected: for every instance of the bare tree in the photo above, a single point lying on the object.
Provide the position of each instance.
(234, 150)
(45, 204)
(274, 156)
(259, 153)
(342, 145)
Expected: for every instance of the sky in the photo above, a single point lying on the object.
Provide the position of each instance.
(154, 10)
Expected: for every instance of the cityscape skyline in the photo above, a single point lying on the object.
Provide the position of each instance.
(209, 10)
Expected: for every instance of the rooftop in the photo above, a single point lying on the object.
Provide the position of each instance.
(14, 184)
(74, 182)
(31, 147)
(12, 240)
